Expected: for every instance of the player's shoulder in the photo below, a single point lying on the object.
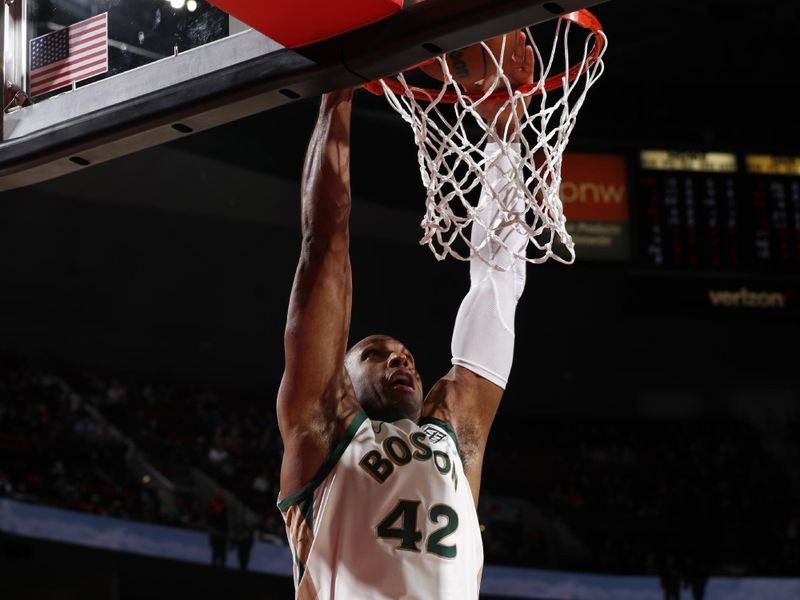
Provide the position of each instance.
(437, 430)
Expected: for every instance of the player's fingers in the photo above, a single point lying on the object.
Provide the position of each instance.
(518, 54)
(521, 39)
(528, 63)
(522, 72)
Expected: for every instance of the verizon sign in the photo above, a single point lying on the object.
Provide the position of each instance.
(745, 298)
(726, 296)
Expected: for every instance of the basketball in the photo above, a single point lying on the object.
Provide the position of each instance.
(473, 64)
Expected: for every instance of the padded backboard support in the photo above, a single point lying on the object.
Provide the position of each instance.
(154, 113)
(296, 23)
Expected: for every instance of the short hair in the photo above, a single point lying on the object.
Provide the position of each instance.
(352, 348)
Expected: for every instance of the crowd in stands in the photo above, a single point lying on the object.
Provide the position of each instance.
(641, 493)
(232, 438)
(53, 451)
(636, 496)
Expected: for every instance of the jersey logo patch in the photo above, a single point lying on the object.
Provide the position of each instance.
(434, 435)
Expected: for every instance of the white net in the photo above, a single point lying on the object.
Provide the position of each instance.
(527, 217)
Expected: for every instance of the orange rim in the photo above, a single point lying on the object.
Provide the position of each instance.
(582, 17)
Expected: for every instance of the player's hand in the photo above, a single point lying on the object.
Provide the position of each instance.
(518, 68)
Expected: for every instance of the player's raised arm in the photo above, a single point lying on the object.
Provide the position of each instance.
(483, 336)
(315, 398)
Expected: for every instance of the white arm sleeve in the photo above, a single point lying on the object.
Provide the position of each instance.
(483, 336)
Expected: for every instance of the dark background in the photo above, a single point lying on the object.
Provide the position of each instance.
(179, 260)
(175, 264)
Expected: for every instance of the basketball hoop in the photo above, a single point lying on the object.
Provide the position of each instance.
(450, 135)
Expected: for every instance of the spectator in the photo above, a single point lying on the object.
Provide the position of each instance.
(670, 579)
(6, 489)
(217, 522)
(217, 455)
(242, 540)
(261, 483)
(695, 578)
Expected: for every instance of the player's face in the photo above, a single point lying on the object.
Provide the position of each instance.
(385, 377)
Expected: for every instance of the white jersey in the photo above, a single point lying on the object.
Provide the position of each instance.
(390, 515)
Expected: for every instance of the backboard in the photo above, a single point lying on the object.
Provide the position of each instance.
(175, 67)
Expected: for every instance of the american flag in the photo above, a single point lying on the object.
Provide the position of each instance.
(71, 54)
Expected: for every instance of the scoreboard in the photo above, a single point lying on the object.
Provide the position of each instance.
(773, 190)
(707, 210)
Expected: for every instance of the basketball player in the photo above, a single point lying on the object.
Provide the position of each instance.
(379, 488)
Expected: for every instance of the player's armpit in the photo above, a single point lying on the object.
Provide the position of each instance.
(309, 437)
(469, 403)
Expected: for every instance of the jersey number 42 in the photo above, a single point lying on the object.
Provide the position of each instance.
(401, 524)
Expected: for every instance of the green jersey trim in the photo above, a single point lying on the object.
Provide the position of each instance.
(442, 425)
(328, 465)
